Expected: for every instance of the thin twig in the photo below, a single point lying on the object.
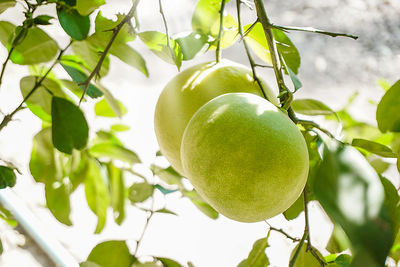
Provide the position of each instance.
(313, 30)
(284, 93)
(116, 30)
(171, 51)
(294, 239)
(221, 29)
(146, 225)
(38, 83)
(246, 47)
(5, 64)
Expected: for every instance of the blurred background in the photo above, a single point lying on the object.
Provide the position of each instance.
(332, 69)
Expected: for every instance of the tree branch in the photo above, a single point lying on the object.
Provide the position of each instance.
(313, 30)
(294, 239)
(221, 29)
(8, 118)
(116, 30)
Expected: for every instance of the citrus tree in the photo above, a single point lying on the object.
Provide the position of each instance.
(200, 128)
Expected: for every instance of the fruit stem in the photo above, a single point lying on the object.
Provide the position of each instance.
(218, 52)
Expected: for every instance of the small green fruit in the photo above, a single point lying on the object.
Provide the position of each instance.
(191, 89)
(245, 157)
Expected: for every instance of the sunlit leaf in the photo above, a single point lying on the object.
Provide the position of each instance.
(192, 44)
(104, 27)
(114, 151)
(130, 56)
(352, 194)
(90, 54)
(257, 42)
(201, 204)
(206, 15)
(311, 107)
(85, 7)
(157, 43)
(287, 50)
(89, 264)
(139, 192)
(57, 200)
(103, 108)
(117, 192)
(30, 51)
(111, 254)
(5, 4)
(119, 127)
(388, 111)
(374, 147)
(6, 31)
(74, 24)
(257, 256)
(7, 177)
(168, 262)
(229, 34)
(168, 175)
(97, 195)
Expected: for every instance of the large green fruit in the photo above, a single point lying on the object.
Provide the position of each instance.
(191, 89)
(306, 258)
(245, 157)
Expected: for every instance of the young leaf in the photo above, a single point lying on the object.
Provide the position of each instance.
(42, 164)
(97, 195)
(114, 151)
(30, 51)
(168, 262)
(111, 254)
(311, 107)
(388, 110)
(40, 101)
(43, 20)
(7, 177)
(157, 43)
(77, 74)
(117, 192)
(257, 41)
(119, 127)
(257, 256)
(6, 31)
(90, 54)
(287, 50)
(129, 56)
(104, 109)
(139, 192)
(57, 200)
(166, 211)
(69, 127)
(352, 194)
(201, 204)
(105, 26)
(5, 4)
(373, 147)
(206, 15)
(85, 7)
(168, 175)
(74, 24)
(7, 216)
(191, 44)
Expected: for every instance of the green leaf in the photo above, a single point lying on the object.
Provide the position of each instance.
(295, 80)
(198, 201)
(117, 192)
(343, 260)
(85, 7)
(373, 147)
(5, 4)
(130, 56)
(257, 42)
(78, 76)
(379, 165)
(168, 175)
(43, 20)
(90, 54)
(230, 32)
(166, 211)
(352, 194)
(6, 31)
(287, 50)
(388, 111)
(338, 241)
(104, 109)
(89, 264)
(97, 195)
(206, 15)
(69, 127)
(40, 101)
(311, 107)
(42, 164)
(114, 151)
(139, 192)
(7, 177)
(57, 200)
(192, 44)
(111, 254)
(30, 51)
(168, 262)
(157, 43)
(79, 169)
(119, 127)
(392, 203)
(6, 215)
(105, 26)
(74, 24)
(293, 211)
(257, 256)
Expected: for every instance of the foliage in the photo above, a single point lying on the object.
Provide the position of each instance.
(347, 177)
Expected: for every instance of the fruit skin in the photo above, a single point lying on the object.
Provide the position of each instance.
(245, 157)
(191, 89)
(306, 259)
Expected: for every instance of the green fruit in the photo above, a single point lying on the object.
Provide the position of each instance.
(191, 89)
(245, 157)
(306, 258)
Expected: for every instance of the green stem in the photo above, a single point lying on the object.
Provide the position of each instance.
(313, 30)
(218, 52)
(297, 252)
(166, 30)
(5, 64)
